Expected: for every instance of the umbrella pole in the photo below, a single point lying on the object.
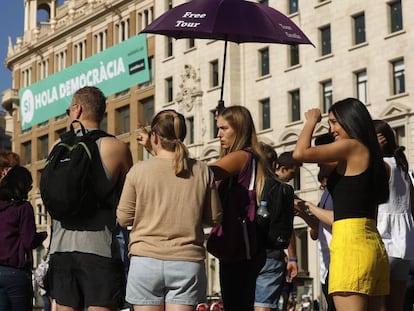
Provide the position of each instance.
(220, 105)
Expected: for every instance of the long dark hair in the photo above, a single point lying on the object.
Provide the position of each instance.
(15, 186)
(355, 119)
(391, 148)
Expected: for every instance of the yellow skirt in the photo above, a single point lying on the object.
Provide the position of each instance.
(359, 261)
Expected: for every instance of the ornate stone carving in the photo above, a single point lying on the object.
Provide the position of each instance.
(189, 88)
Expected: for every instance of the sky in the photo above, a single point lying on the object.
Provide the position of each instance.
(12, 23)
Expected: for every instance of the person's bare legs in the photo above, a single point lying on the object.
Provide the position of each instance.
(350, 302)
(66, 308)
(262, 309)
(149, 308)
(166, 307)
(90, 308)
(357, 302)
(97, 308)
(176, 307)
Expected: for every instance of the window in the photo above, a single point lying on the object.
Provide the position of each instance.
(41, 214)
(151, 73)
(359, 28)
(296, 180)
(100, 41)
(214, 73)
(396, 20)
(26, 77)
(400, 135)
(122, 120)
(43, 147)
(294, 55)
(302, 250)
(27, 152)
(265, 113)
(151, 69)
(42, 69)
(79, 51)
(361, 85)
(190, 43)
(293, 6)
(169, 89)
(145, 17)
(264, 61)
(147, 111)
(169, 47)
(213, 122)
(60, 61)
(190, 130)
(326, 95)
(122, 31)
(398, 72)
(295, 105)
(325, 36)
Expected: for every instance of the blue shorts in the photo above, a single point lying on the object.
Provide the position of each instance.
(155, 282)
(269, 283)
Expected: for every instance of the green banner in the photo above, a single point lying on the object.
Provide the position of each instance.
(112, 70)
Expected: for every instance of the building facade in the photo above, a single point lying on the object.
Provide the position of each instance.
(362, 49)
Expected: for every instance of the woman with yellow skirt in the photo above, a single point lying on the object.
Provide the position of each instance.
(359, 270)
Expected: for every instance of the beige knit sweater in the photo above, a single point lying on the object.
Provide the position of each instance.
(167, 213)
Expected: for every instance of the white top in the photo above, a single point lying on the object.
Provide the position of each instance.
(325, 236)
(395, 222)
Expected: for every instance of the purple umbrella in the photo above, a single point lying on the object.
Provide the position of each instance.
(229, 20)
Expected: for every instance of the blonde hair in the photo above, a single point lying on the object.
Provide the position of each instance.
(241, 121)
(171, 129)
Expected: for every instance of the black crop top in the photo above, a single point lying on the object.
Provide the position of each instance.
(353, 196)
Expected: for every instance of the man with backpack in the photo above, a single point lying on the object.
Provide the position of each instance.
(279, 268)
(86, 269)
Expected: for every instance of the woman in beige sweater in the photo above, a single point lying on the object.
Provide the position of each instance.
(167, 200)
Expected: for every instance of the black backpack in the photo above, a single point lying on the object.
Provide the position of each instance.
(68, 181)
(276, 231)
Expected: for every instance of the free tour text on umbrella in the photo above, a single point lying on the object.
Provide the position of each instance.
(180, 23)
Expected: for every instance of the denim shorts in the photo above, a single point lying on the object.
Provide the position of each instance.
(154, 282)
(269, 283)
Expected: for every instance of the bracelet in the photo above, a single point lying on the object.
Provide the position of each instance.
(293, 260)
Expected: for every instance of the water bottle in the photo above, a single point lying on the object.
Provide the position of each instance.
(262, 211)
(263, 218)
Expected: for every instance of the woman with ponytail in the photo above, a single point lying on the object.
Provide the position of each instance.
(167, 199)
(395, 219)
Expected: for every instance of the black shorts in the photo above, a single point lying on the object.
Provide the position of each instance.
(82, 280)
